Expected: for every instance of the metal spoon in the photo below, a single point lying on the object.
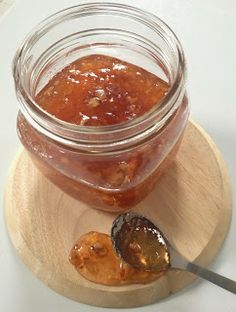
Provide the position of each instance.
(141, 244)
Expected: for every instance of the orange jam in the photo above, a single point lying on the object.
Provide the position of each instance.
(99, 90)
(140, 243)
(94, 258)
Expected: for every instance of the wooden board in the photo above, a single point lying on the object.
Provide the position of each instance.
(191, 204)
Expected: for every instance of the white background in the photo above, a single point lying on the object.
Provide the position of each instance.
(207, 30)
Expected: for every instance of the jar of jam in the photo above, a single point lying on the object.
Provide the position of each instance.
(103, 105)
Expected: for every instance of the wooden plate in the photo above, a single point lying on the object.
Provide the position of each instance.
(191, 204)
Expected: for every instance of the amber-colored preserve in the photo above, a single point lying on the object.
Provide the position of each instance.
(102, 110)
(99, 90)
(140, 243)
(95, 259)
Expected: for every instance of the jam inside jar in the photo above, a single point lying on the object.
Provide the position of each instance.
(102, 109)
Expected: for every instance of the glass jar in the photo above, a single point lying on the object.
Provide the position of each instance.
(108, 167)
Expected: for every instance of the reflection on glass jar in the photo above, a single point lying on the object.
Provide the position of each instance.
(111, 163)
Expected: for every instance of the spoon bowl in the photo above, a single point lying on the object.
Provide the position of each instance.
(140, 243)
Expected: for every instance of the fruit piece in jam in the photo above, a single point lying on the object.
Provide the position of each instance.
(95, 259)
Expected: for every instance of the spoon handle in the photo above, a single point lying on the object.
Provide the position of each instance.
(215, 278)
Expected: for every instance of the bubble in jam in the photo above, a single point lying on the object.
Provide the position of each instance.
(95, 259)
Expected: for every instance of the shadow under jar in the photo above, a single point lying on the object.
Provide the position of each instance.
(108, 166)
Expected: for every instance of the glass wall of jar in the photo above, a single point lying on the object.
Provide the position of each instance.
(111, 167)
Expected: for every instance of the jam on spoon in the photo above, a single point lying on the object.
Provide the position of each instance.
(142, 245)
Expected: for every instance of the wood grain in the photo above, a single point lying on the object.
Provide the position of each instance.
(191, 204)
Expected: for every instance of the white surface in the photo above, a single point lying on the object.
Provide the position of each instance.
(207, 30)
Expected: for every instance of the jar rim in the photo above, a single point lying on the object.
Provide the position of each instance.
(45, 122)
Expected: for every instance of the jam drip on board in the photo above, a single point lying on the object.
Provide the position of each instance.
(95, 259)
